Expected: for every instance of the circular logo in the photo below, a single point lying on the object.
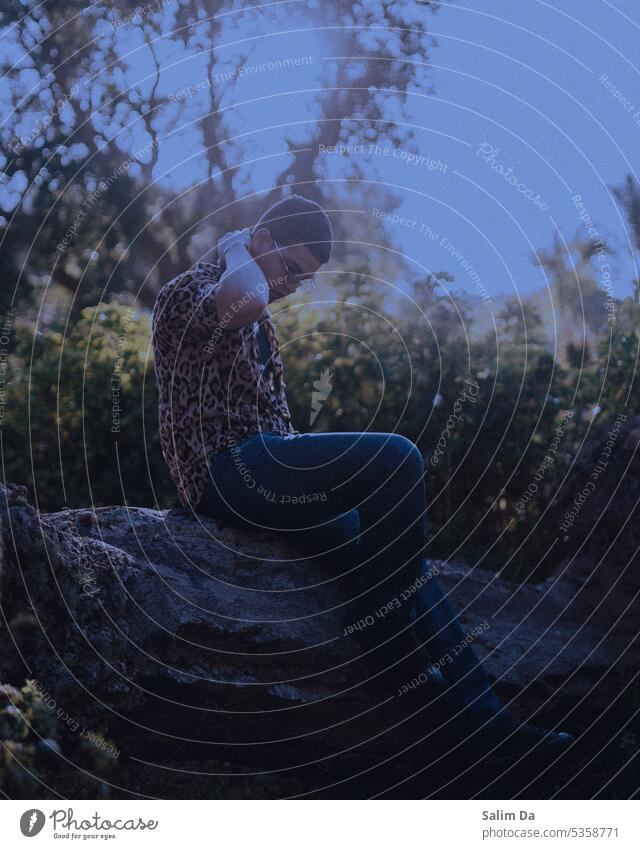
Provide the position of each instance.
(32, 822)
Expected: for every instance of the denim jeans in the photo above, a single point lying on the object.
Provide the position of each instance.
(357, 501)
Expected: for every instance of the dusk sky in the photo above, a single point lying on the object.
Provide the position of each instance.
(525, 79)
(531, 104)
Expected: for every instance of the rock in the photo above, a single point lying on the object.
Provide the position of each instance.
(186, 629)
(556, 646)
(179, 637)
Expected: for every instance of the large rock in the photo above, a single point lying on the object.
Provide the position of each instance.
(164, 629)
(202, 641)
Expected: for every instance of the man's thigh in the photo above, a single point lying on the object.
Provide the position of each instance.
(299, 482)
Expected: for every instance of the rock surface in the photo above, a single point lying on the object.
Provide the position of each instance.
(184, 638)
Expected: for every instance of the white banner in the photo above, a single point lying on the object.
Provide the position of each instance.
(318, 824)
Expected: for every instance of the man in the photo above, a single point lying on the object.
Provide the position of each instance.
(233, 453)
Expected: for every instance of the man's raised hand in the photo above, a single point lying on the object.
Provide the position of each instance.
(241, 237)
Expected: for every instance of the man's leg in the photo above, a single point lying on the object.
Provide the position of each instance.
(301, 483)
(381, 476)
(359, 502)
(435, 624)
(451, 651)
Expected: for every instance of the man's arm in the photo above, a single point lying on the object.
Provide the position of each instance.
(243, 293)
(191, 303)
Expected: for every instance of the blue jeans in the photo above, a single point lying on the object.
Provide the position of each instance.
(356, 500)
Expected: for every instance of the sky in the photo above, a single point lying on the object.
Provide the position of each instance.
(532, 118)
(550, 90)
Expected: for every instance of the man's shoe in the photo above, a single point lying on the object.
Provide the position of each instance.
(503, 759)
(511, 742)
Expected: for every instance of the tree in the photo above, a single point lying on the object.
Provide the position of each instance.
(575, 303)
(128, 142)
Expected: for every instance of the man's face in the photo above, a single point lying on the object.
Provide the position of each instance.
(285, 268)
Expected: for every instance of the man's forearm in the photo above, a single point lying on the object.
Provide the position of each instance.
(243, 293)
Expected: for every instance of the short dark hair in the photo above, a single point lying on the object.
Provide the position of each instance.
(295, 220)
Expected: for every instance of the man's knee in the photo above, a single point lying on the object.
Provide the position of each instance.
(401, 453)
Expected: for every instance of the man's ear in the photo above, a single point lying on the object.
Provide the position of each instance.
(261, 241)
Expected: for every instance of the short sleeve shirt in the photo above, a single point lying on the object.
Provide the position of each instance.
(213, 387)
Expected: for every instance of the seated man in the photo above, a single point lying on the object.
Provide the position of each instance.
(228, 439)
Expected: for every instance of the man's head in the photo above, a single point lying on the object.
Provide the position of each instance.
(290, 241)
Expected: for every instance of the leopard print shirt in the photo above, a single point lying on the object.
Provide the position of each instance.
(212, 387)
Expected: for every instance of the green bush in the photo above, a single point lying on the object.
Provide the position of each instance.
(46, 753)
(63, 434)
